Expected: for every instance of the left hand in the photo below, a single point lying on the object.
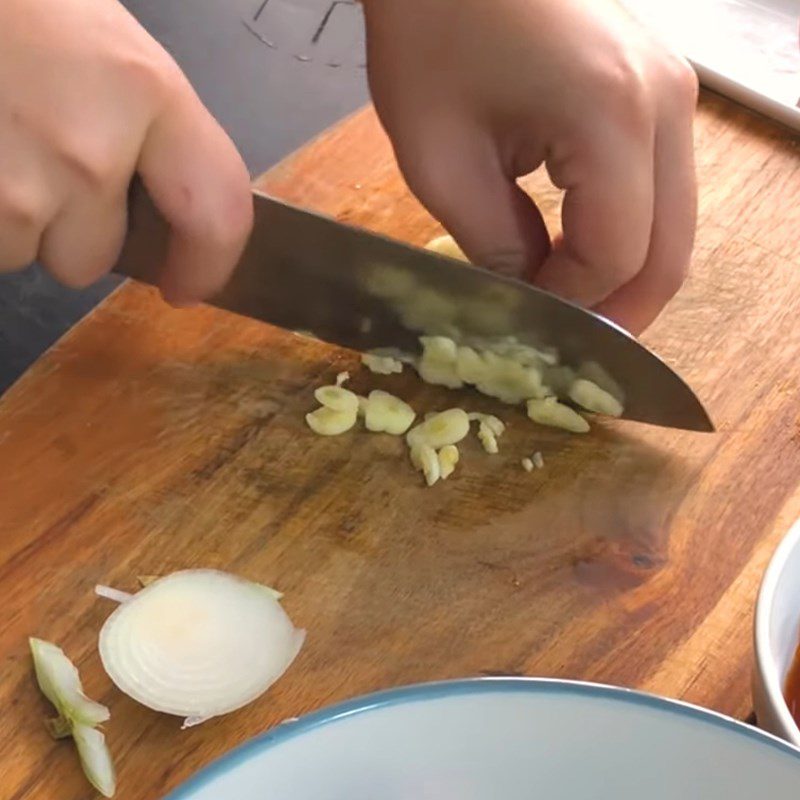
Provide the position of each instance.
(475, 94)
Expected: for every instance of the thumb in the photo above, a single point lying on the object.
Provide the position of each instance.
(462, 184)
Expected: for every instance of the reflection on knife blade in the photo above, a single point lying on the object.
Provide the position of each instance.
(304, 271)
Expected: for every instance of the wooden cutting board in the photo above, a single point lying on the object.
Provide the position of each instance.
(150, 440)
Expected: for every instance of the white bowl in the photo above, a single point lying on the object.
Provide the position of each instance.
(506, 739)
(777, 635)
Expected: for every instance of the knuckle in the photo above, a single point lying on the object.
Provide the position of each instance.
(224, 221)
(97, 167)
(150, 73)
(20, 209)
(680, 81)
(623, 90)
(236, 212)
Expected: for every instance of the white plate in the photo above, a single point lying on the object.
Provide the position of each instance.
(777, 635)
(746, 49)
(506, 739)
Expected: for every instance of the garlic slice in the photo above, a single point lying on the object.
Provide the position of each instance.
(425, 459)
(448, 458)
(381, 365)
(488, 439)
(495, 424)
(327, 422)
(337, 398)
(590, 396)
(386, 413)
(446, 246)
(446, 427)
(556, 415)
(438, 364)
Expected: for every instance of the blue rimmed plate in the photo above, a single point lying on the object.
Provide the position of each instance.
(505, 739)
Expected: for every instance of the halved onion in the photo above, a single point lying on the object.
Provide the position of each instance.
(198, 644)
(60, 683)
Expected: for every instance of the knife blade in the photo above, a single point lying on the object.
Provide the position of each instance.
(306, 272)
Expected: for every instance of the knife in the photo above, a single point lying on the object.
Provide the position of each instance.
(306, 272)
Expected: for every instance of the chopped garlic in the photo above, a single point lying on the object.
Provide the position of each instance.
(527, 465)
(483, 314)
(550, 412)
(489, 429)
(381, 365)
(428, 310)
(595, 373)
(510, 381)
(337, 398)
(390, 282)
(446, 246)
(425, 459)
(447, 427)
(362, 406)
(448, 458)
(559, 379)
(439, 348)
(487, 438)
(438, 362)
(590, 396)
(495, 425)
(327, 422)
(524, 354)
(538, 460)
(386, 413)
(471, 367)
(342, 378)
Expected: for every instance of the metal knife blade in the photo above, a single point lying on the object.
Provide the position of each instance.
(305, 272)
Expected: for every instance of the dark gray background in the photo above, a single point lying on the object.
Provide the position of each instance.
(274, 72)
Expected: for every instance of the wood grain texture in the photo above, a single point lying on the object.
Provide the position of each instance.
(150, 440)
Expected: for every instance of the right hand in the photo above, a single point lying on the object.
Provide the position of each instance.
(87, 100)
